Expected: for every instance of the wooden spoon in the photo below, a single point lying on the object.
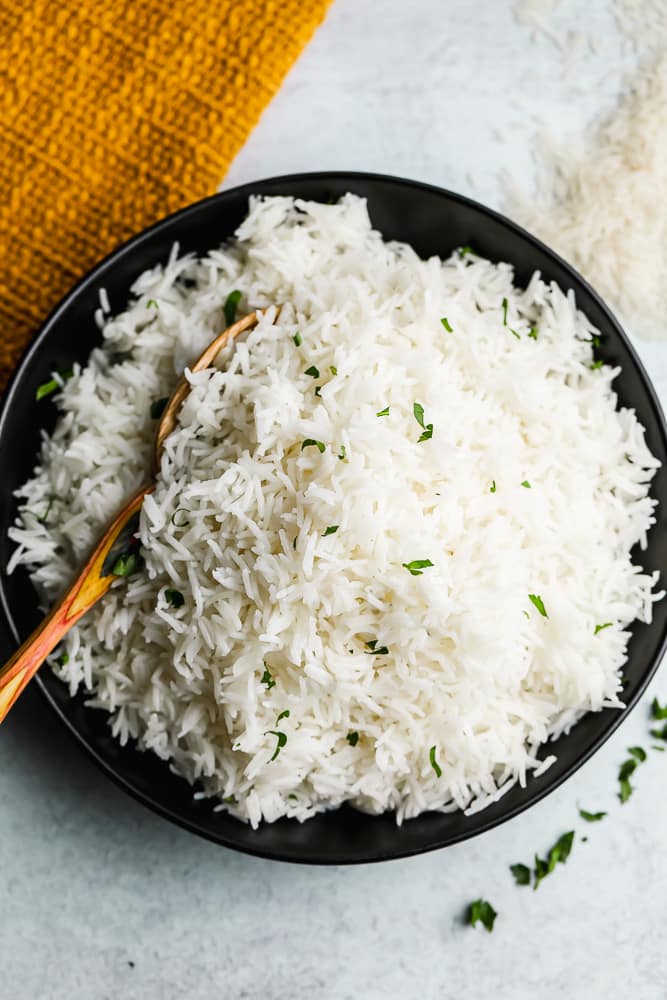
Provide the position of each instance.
(120, 537)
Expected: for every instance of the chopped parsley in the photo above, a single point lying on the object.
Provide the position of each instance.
(434, 764)
(539, 604)
(627, 769)
(46, 388)
(183, 524)
(151, 302)
(521, 874)
(230, 800)
(318, 390)
(558, 854)
(231, 305)
(63, 659)
(596, 365)
(312, 371)
(352, 739)
(331, 530)
(526, 485)
(416, 566)
(427, 430)
(283, 715)
(267, 679)
(174, 598)
(281, 740)
(333, 369)
(504, 308)
(515, 334)
(660, 734)
(598, 628)
(126, 564)
(483, 912)
(372, 647)
(533, 332)
(658, 711)
(447, 325)
(465, 250)
(311, 443)
(591, 817)
(157, 407)
(342, 454)
(383, 413)
(298, 339)
(492, 487)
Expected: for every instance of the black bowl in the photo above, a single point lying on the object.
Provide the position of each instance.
(434, 222)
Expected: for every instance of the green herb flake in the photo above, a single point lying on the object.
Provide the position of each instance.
(418, 411)
(558, 854)
(298, 339)
(151, 304)
(658, 711)
(521, 874)
(312, 371)
(267, 679)
(416, 566)
(483, 912)
(526, 485)
(654, 746)
(505, 305)
(174, 598)
(158, 407)
(383, 413)
(465, 250)
(281, 740)
(318, 390)
(331, 530)
(126, 564)
(352, 738)
(283, 715)
(660, 734)
(626, 770)
(342, 454)
(372, 647)
(492, 487)
(231, 305)
(63, 659)
(311, 443)
(231, 800)
(591, 817)
(539, 604)
(515, 334)
(596, 365)
(598, 628)
(333, 369)
(533, 333)
(427, 429)
(638, 753)
(434, 764)
(447, 325)
(47, 388)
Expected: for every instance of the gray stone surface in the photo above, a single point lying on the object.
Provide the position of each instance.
(101, 900)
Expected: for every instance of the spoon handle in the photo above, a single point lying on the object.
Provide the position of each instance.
(92, 582)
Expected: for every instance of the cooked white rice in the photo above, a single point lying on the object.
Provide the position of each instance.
(532, 483)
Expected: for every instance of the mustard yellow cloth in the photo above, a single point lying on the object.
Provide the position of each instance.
(115, 113)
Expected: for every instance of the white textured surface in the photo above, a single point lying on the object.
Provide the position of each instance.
(91, 882)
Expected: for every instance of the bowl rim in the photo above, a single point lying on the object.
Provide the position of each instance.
(93, 275)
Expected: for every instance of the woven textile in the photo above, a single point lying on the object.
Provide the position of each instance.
(115, 113)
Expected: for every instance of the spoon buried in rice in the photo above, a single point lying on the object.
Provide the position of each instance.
(118, 543)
